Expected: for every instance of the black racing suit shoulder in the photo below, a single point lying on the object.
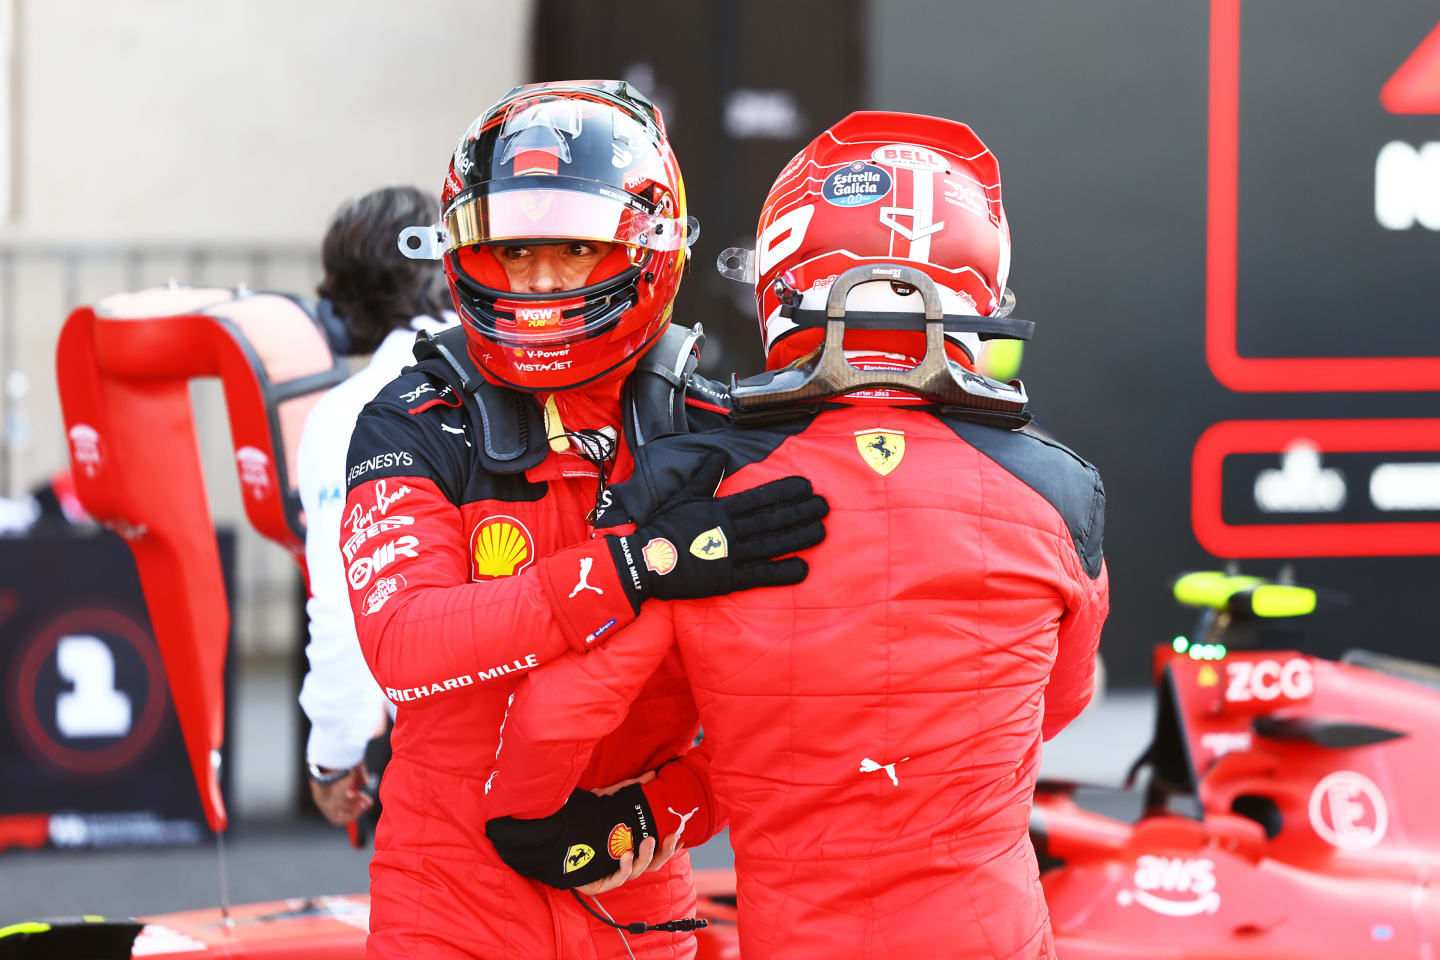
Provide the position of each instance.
(1067, 480)
(418, 426)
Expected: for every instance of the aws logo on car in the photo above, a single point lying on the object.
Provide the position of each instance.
(1173, 886)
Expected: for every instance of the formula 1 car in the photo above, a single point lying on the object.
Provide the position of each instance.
(1289, 811)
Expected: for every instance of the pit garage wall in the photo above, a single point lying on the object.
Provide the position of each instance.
(1165, 268)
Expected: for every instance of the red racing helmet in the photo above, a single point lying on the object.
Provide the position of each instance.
(880, 188)
(549, 163)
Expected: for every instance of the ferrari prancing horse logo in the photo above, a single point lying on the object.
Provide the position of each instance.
(577, 856)
(710, 545)
(882, 450)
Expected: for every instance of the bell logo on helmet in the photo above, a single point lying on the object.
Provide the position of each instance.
(499, 547)
(710, 545)
(882, 450)
(577, 856)
(909, 156)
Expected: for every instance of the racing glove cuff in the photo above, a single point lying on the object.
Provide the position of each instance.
(586, 596)
(680, 797)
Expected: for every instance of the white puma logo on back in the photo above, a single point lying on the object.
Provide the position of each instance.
(870, 766)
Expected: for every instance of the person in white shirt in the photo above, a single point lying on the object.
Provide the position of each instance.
(380, 299)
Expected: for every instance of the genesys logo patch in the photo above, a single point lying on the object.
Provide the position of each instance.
(855, 185)
(381, 461)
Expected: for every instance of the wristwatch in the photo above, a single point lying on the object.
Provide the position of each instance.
(318, 774)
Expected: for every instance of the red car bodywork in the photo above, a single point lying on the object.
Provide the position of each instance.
(1331, 765)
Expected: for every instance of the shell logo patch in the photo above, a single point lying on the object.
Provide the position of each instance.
(577, 856)
(499, 547)
(1207, 676)
(660, 556)
(710, 545)
(621, 841)
(882, 450)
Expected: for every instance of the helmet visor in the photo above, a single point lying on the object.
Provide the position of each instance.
(502, 211)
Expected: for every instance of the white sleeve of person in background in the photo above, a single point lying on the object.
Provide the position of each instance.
(341, 698)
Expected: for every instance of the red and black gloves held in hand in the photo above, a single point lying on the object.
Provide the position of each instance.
(585, 840)
(698, 545)
(581, 843)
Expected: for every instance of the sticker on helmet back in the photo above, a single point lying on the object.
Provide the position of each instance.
(855, 185)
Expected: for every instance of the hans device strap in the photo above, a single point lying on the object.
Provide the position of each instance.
(512, 426)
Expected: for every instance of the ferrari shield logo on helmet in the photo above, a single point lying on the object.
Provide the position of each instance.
(710, 545)
(882, 450)
(577, 856)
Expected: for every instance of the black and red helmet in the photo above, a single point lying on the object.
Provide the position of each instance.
(581, 160)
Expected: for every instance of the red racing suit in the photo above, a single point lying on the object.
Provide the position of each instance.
(874, 732)
(466, 572)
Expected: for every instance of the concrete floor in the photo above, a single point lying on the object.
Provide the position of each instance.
(272, 855)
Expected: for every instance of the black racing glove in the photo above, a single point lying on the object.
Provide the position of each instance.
(581, 843)
(700, 545)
